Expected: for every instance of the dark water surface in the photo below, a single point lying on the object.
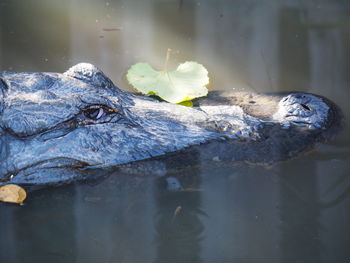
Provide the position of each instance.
(297, 211)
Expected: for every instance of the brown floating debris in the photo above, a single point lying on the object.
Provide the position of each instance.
(12, 193)
(112, 29)
(190, 190)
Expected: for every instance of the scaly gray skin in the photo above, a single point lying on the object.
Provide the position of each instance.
(54, 125)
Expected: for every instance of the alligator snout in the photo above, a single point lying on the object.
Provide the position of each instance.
(302, 110)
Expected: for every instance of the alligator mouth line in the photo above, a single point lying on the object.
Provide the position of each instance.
(55, 163)
(301, 123)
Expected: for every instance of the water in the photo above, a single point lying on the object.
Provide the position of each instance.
(296, 211)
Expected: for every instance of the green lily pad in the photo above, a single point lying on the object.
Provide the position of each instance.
(185, 83)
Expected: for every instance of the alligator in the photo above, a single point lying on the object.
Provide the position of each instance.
(54, 125)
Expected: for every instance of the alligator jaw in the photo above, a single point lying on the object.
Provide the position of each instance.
(65, 169)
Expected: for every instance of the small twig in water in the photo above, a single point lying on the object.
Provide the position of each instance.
(177, 211)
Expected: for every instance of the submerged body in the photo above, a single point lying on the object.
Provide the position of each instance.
(54, 125)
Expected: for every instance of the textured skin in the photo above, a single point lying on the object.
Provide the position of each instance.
(55, 125)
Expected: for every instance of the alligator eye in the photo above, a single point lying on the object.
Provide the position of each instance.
(306, 107)
(94, 113)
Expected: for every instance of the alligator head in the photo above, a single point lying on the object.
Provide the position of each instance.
(53, 124)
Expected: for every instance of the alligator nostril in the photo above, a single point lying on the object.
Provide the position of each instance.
(306, 107)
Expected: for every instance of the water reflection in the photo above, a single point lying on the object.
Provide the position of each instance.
(296, 211)
(83, 223)
(111, 226)
(178, 221)
(300, 214)
(242, 215)
(34, 233)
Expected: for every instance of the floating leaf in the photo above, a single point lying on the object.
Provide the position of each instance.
(185, 83)
(187, 103)
(12, 193)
